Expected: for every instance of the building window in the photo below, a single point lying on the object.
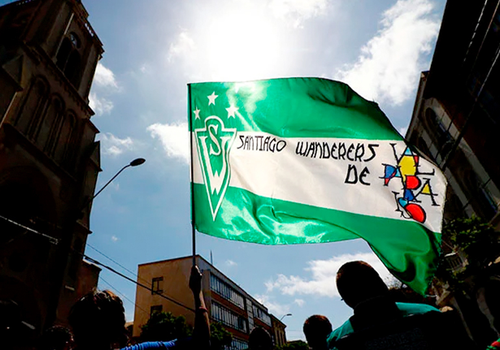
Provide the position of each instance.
(237, 344)
(227, 317)
(261, 315)
(157, 285)
(226, 291)
(155, 309)
(68, 59)
(74, 40)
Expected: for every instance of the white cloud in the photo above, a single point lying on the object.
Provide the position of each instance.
(297, 11)
(113, 145)
(104, 77)
(174, 139)
(275, 308)
(323, 274)
(181, 46)
(230, 263)
(100, 105)
(403, 131)
(104, 84)
(299, 302)
(389, 66)
(114, 238)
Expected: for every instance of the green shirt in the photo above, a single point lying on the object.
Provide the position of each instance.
(406, 309)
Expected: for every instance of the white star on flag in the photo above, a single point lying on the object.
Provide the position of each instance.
(230, 111)
(196, 113)
(211, 98)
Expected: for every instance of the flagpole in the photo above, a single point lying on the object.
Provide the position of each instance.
(193, 232)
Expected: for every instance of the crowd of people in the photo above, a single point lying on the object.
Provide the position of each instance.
(97, 321)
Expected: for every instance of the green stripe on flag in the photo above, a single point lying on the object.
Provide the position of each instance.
(250, 218)
(294, 107)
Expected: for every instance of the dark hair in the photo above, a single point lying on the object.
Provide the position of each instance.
(260, 339)
(54, 338)
(316, 329)
(357, 281)
(98, 319)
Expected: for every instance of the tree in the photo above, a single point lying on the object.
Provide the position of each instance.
(477, 240)
(219, 336)
(294, 345)
(163, 326)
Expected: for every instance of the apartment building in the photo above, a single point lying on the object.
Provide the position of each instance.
(226, 302)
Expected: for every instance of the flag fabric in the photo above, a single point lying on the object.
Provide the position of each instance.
(307, 160)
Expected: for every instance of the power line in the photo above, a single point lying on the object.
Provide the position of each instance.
(96, 262)
(123, 295)
(52, 240)
(138, 283)
(117, 263)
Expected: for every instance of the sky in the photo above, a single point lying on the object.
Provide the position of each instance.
(154, 48)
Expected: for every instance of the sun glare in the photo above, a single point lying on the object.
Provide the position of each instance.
(242, 48)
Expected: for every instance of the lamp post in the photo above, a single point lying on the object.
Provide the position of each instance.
(282, 317)
(135, 162)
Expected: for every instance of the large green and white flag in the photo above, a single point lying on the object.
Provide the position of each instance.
(307, 160)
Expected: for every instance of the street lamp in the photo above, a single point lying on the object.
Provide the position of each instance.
(135, 162)
(282, 317)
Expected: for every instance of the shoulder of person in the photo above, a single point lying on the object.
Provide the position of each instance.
(337, 333)
(415, 309)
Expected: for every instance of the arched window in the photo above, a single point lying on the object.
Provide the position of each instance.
(51, 119)
(73, 68)
(68, 58)
(28, 119)
(439, 132)
(69, 154)
(63, 54)
(65, 133)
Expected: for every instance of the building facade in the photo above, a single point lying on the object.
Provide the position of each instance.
(456, 118)
(456, 123)
(49, 159)
(226, 302)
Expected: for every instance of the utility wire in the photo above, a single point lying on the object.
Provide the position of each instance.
(123, 295)
(52, 240)
(138, 283)
(94, 261)
(117, 263)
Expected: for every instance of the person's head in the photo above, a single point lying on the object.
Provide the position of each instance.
(316, 329)
(98, 321)
(55, 338)
(260, 339)
(357, 281)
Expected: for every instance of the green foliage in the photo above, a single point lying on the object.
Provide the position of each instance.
(479, 243)
(294, 345)
(163, 326)
(219, 336)
(476, 238)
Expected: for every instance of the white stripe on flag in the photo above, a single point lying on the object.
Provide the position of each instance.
(320, 181)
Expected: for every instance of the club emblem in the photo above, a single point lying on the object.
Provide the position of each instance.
(214, 143)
